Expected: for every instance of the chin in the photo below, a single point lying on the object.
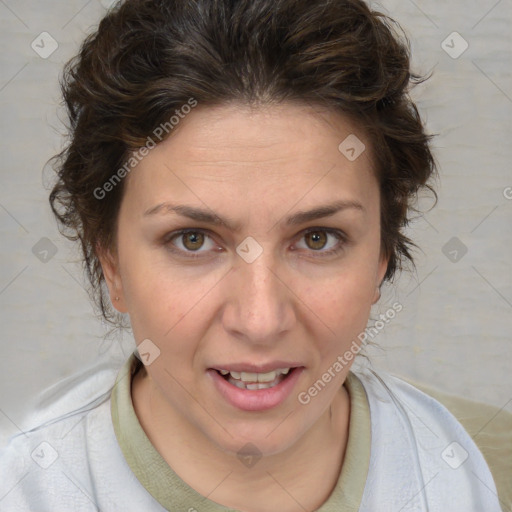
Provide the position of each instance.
(261, 439)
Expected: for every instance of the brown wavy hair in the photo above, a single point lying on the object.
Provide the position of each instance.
(147, 58)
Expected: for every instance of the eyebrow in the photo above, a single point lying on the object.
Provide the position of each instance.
(209, 217)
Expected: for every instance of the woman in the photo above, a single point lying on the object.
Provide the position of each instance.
(239, 175)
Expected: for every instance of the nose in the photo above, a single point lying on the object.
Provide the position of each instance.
(261, 306)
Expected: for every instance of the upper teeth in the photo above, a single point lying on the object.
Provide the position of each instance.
(256, 377)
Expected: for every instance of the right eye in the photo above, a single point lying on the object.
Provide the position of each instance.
(190, 240)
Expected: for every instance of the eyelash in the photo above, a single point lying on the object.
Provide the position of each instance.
(342, 238)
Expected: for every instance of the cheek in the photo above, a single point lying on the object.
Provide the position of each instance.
(340, 309)
(146, 290)
(166, 304)
(347, 293)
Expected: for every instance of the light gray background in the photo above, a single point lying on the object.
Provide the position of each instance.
(455, 329)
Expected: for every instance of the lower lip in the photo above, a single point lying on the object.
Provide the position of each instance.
(256, 399)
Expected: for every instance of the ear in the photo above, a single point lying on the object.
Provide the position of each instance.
(110, 267)
(381, 272)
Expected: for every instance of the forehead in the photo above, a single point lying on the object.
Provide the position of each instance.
(272, 154)
(260, 134)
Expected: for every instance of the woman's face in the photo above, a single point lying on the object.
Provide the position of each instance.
(283, 277)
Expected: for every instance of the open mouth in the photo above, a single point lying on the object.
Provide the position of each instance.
(251, 391)
(256, 381)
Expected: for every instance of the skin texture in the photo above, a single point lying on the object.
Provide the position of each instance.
(254, 167)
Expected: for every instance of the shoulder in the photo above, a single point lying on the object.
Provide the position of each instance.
(43, 466)
(71, 459)
(486, 427)
(490, 427)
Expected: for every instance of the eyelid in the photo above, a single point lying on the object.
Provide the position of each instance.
(333, 231)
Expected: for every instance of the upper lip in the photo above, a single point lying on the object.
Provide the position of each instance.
(256, 368)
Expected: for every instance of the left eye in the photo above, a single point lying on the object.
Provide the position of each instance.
(316, 238)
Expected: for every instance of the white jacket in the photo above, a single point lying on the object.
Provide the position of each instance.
(421, 458)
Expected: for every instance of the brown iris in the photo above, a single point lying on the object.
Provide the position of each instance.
(194, 238)
(319, 239)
